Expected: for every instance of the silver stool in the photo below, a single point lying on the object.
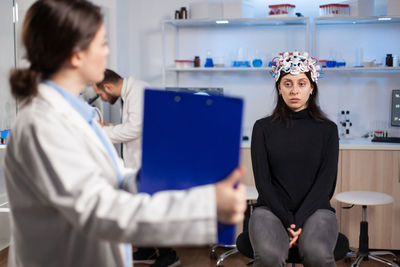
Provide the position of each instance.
(366, 198)
(251, 194)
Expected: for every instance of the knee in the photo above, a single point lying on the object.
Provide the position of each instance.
(317, 254)
(269, 257)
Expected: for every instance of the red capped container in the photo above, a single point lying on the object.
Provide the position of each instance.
(283, 10)
(322, 63)
(334, 10)
(184, 63)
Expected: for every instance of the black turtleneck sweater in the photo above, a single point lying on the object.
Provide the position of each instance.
(295, 166)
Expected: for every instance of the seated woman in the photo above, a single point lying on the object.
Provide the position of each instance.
(294, 155)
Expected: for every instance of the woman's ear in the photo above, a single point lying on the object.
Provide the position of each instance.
(76, 60)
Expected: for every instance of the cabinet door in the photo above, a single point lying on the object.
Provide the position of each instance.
(372, 171)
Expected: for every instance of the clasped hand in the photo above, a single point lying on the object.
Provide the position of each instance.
(293, 235)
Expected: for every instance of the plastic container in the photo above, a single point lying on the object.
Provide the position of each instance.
(241, 64)
(330, 63)
(3, 137)
(257, 63)
(340, 64)
(322, 63)
(282, 10)
(209, 63)
(395, 61)
(184, 63)
(334, 10)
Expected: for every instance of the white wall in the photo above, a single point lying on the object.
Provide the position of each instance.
(365, 94)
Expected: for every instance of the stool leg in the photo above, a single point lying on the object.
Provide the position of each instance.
(213, 252)
(225, 255)
(363, 247)
(378, 253)
(250, 263)
(383, 260)
(357, 262)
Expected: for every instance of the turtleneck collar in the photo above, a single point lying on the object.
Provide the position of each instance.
(302, 114)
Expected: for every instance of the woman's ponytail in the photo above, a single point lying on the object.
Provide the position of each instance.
(24, 83)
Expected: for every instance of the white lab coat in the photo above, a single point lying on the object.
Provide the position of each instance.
(66, 209)
(129, 132)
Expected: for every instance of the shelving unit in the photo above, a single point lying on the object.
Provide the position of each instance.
(215, 69)
(226, 24)
(347, 20)
(364, 69)
(269, 21)
(354, 20)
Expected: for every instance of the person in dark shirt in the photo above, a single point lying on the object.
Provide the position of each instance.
(294, 156)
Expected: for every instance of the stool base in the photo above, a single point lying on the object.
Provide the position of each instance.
(372, 255)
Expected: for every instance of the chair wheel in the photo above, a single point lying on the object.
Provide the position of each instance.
(213, 255)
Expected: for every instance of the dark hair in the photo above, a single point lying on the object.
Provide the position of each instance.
(283, 113)
(109, 77)
(53, 30)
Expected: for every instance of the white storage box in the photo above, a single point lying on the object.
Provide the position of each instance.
(238, 9)
(393, 8)
(205, 10)
(334, 10)
(361, 8)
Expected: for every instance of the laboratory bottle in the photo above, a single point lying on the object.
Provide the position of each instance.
(257, 62)
(389, 60)
(177, 14)
(395, 61)
(196, 61)
(183, 14)
(209, 61)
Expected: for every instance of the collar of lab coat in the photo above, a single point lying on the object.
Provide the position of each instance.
(124, 90)
(67, 112)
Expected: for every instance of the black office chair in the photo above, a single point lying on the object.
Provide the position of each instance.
(243, 245)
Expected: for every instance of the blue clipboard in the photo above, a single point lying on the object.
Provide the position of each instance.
(189, 140)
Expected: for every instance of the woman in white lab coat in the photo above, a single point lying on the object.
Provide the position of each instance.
(63, 177)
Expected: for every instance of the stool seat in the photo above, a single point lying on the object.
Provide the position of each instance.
(364, 198)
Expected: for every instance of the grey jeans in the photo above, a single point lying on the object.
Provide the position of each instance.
(270, 239)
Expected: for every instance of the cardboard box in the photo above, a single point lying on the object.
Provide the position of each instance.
(238, 9)
(205, 10)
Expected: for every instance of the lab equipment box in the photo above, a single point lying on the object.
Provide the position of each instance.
(238, 9)
(205, 10)
(361, 8)
(393, 8)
